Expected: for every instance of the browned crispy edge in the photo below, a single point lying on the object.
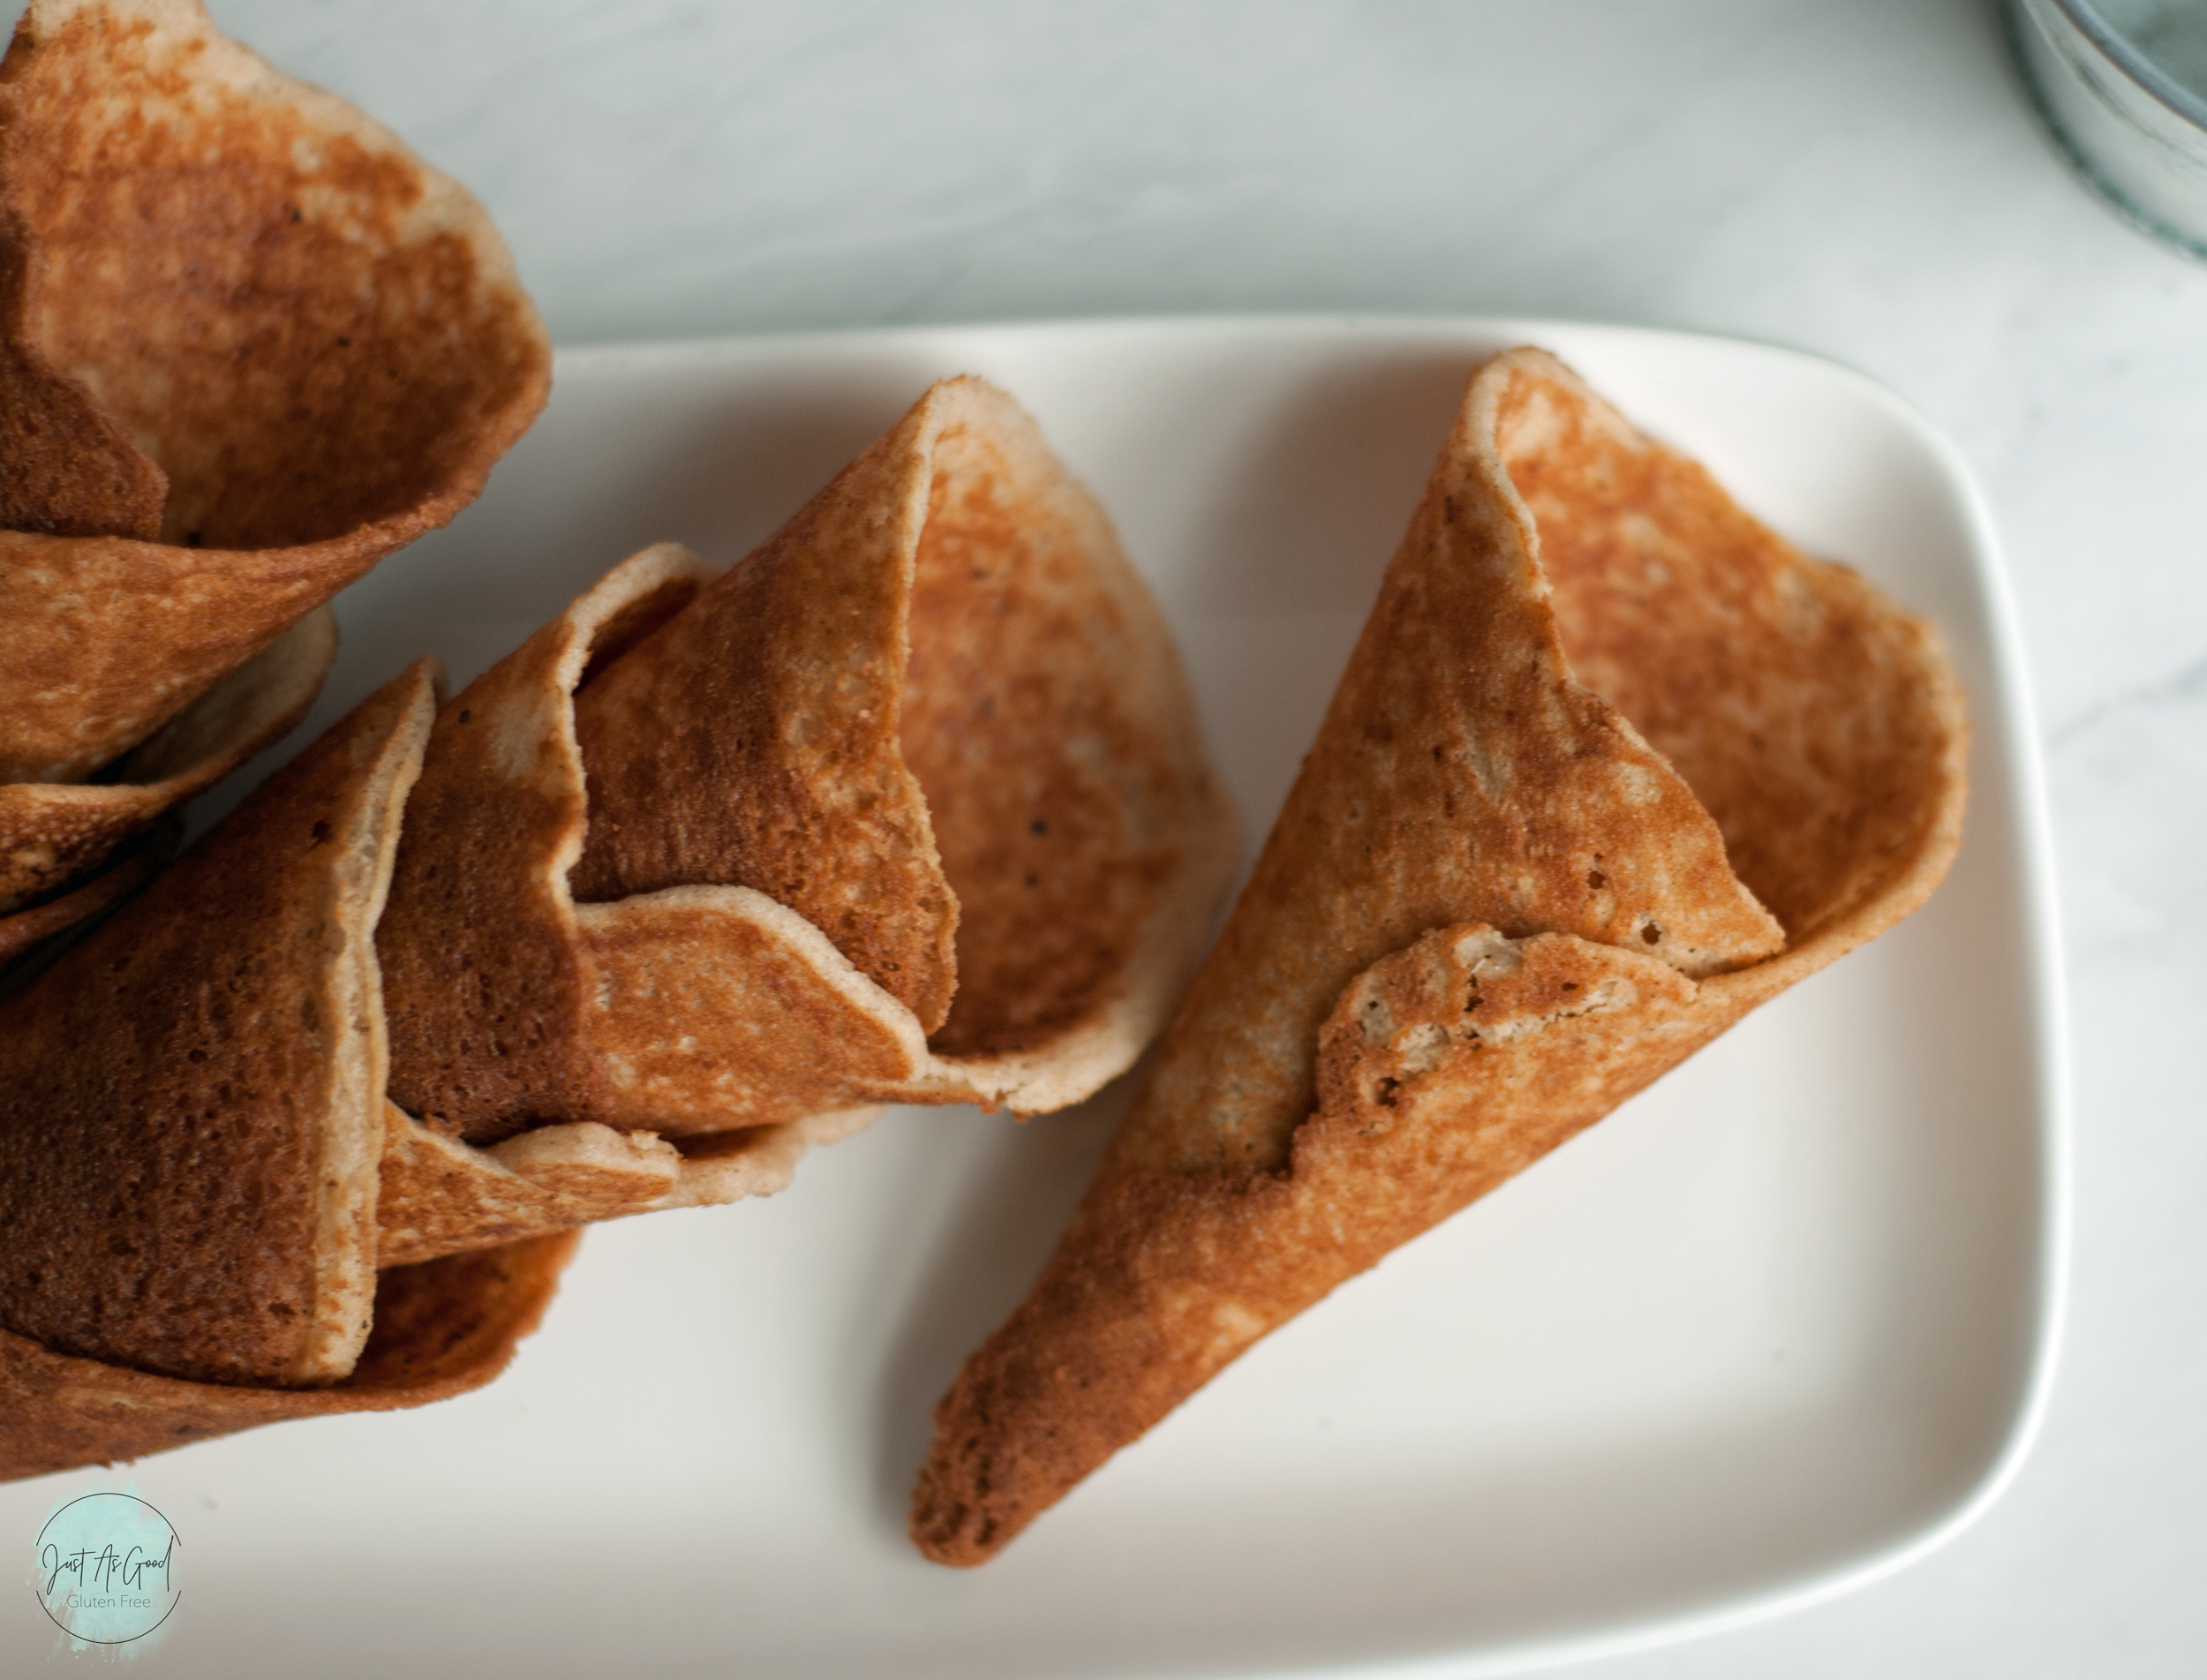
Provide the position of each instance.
(441, 1329)
(190, 1100)
(52, 834)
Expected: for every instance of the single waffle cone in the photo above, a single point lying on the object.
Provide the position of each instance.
(1610, 765)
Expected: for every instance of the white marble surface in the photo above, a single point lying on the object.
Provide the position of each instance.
(1862, 179)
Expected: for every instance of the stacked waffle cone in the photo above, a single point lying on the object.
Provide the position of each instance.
(909, 806)
(250, 344)
(699, 876)
(188, 1193)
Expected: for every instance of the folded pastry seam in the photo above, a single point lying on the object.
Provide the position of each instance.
(723, 773)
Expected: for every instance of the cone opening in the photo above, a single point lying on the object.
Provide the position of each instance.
(1806, 715)
(306, 328)
(925, 716)
(633, 624)
(1009, 727)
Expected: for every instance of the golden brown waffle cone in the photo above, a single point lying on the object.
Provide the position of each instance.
(190, 1132)
(1491, 910)
(910, 806)
(249, 345)
(54, 834)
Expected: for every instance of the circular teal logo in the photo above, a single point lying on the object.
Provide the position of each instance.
(104, 1569)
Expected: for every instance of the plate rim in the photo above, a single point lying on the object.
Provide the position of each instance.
(2026, 811)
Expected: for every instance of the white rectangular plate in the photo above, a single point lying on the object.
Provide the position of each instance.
(1778, 1325)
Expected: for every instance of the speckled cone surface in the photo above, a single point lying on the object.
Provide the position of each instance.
(1610, 765)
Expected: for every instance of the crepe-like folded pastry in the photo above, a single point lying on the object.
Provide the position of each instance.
(190, 1132)
(57, 838)
(28, 930)
(249, 345)
(441, 1329)
(911, 805)
(1491, 909)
